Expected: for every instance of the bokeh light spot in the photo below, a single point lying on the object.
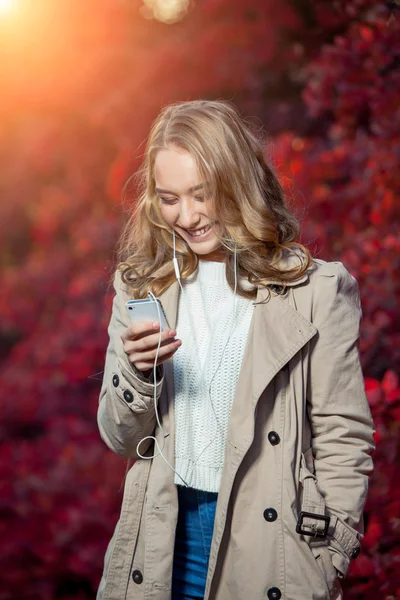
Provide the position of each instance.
(166, 11)
(297, 144)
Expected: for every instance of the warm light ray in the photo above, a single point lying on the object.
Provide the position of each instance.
(6, 5)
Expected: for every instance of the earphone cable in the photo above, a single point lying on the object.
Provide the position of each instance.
(201, 369)
(151, 437)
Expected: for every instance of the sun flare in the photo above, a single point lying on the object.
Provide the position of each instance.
(6, 5)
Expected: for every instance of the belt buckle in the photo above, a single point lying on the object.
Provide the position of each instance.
(319, 534)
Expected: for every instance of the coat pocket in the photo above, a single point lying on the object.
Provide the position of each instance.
(323, 557)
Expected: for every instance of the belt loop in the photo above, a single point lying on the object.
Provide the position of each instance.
(312, 520)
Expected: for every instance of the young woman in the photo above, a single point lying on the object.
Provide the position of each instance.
(247, 418)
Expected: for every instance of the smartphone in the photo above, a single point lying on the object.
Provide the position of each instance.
(146, 310)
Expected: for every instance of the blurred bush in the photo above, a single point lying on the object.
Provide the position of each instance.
(81, 85)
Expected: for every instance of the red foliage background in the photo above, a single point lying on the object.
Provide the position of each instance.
(81, 83)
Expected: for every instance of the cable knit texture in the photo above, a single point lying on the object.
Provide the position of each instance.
(206, 371)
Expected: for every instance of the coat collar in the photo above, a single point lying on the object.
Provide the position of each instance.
(288, 261)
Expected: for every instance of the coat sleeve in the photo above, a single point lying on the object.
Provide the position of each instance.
(341, 424)
(126, 412)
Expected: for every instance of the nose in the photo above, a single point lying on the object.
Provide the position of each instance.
(188, 217)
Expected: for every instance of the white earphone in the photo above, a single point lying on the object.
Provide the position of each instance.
(175, 261)
(151, 437)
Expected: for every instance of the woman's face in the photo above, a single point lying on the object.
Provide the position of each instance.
(183, 202)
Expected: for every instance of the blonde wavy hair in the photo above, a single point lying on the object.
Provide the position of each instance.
(244, 193)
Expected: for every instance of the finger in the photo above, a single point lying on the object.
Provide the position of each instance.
(139, 329)
(167, 356)
(150, 355)
(150, 341)
(145, 366)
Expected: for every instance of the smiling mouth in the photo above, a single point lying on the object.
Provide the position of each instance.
(198, 232)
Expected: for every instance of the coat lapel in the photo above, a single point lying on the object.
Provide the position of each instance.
(277, 332)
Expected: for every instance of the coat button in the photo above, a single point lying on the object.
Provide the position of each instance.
(273, 438)
(270, 515)
(128, 396)
(115, 380)
(137, 576)
(355, 552)
(274, 593)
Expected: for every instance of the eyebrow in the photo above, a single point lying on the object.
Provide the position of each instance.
(192, 189)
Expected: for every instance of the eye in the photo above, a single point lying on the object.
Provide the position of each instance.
(201, 198)
(167, 200)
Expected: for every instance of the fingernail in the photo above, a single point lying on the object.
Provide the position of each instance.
(171, 333)
(156, 325)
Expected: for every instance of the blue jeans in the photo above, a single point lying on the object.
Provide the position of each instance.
(192, 542)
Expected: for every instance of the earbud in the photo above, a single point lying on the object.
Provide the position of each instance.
(176, 267)
(175, 260)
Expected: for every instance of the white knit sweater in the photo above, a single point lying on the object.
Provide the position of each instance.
(203, 403)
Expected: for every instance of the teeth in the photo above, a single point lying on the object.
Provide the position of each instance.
(199, 231)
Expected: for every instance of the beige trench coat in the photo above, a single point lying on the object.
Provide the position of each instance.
(299, 441)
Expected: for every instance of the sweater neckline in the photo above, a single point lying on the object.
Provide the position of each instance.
(211, 272)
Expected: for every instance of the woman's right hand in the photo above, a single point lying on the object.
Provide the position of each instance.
(140, 342)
